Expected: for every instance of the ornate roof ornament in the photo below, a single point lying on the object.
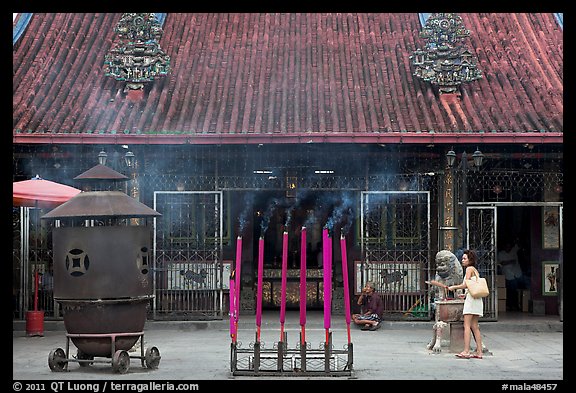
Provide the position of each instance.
(137, 57)
(445, 61)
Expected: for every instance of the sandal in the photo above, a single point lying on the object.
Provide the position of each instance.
(376, 326)
(462, 355)
(476, 356)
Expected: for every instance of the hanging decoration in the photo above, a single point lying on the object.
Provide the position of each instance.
(137, 57)
(445, 61)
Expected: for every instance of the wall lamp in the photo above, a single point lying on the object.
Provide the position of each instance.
(477, 157)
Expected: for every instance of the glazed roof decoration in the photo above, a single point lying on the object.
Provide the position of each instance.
(137, 57)
(445, 61)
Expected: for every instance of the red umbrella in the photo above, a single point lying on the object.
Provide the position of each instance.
(41, 193)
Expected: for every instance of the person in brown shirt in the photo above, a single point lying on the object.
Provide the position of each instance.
(371, 307)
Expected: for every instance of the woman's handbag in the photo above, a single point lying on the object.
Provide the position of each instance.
(478, 288)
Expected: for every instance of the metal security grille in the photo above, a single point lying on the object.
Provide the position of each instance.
(481, 237)
(32, 254)
(512, 185)
(189, 275)
(395, 240)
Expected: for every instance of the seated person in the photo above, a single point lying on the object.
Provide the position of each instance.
(371, 307)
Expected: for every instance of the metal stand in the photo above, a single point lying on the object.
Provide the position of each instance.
(58, 358)
(284, 361)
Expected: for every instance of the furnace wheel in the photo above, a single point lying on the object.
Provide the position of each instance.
(121, 362)
(83, 356)
(152, 357)
(57, 360)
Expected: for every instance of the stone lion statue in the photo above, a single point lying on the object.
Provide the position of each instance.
(448, 272)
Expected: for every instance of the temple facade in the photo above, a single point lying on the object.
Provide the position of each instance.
(405, 134)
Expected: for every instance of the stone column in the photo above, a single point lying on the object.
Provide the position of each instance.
(448, 229)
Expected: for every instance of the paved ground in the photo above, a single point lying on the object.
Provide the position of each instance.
(520, 350)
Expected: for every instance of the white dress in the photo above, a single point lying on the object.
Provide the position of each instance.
(471, 305)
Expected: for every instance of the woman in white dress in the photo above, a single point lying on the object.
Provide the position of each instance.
(473, 308)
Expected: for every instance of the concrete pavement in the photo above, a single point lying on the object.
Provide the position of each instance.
(522, 348)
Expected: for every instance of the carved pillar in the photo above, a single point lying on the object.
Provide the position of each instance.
(447, 227)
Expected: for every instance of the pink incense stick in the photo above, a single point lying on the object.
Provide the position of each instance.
(327, 267)
(330, 275)
(238, 275)
(303, 277)
(283, 287)
(345, 279)
(259, 293)
(232, 311)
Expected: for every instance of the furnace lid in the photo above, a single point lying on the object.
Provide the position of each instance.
(101, 172)
(101, 204)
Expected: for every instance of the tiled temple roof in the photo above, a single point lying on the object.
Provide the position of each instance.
(252, 78)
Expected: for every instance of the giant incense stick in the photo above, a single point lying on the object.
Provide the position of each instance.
(327, 270)
(232, 307)
(303, 296)
(259, 293)
(238, 275)
(283, 287)
(346, 288)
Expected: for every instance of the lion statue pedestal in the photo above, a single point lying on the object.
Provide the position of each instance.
(448, 330)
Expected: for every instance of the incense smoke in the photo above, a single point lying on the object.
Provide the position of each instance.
(299, 197)
(243, 219)
(343, 211)
(311, 219)
(268, 214)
